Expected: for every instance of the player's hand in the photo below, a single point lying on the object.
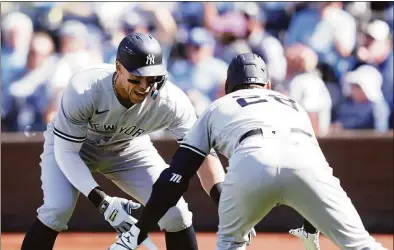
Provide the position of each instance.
(117, 211)
(129, 241)
(251, 235)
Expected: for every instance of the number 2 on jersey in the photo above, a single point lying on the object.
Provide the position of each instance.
(250, 99)
(244, 101)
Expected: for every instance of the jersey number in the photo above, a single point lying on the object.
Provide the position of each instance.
(253, 99)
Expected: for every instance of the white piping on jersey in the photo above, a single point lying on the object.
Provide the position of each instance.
(192, 149)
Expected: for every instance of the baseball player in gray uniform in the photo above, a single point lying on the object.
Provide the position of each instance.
(274, 158)
(103, 124)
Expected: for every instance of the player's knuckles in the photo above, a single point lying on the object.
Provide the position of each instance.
(134, 205)
(132, 220)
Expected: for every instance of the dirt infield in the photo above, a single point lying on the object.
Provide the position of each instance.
(206, 241)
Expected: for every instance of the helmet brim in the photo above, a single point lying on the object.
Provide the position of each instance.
(152, 70)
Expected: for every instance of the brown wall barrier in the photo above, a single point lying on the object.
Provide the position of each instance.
(362, 161)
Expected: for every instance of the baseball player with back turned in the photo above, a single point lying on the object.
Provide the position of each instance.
(274, 158)
(103, 125)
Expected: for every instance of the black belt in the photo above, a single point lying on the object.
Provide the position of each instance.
(260, 131)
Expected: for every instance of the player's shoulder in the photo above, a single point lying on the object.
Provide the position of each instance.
(265, 93)
(251, 92)
(228, 99)
(90, 78)
(222, 102)
(172, 94)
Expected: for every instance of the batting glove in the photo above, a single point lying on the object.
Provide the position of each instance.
(129, 241)
(117, 211)
(251, 235)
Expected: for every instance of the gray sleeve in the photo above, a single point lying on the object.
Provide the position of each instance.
(199, 137)
(184, 116)
(74, 112)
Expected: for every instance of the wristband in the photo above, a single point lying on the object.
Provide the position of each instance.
(97, 196)
(215, 192)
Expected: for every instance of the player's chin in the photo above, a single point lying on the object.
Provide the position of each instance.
(137, 98)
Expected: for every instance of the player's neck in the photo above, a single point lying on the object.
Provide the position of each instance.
(120, 93)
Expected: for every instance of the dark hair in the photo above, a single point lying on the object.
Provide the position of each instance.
(248, 86)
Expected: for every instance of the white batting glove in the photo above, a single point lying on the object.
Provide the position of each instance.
(129, 241)
(251, 235)
(117, 211)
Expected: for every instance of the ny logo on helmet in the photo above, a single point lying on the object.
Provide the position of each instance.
(150, 59)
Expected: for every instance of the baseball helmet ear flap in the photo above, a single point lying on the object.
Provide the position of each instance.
(157, 86)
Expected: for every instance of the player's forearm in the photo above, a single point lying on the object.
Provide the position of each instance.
(73, 167)
(165, 194)
(210, 173)
(169, 188)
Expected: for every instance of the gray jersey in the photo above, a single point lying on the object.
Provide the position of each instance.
(278, 168)
(110, 139)
(230, 117)
(91, 113)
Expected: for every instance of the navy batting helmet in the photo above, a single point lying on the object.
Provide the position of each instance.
(247, 68)
(141, 55)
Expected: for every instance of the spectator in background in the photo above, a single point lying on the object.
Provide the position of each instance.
(189, 12)
(278, 15)
(154, 18)
(306, 87)
(310, 91)
(26, 101)
(264, 44)
(361, 12)
(230, 29)
(327, 74)
(134, 22)
(130, 22)
(201, 74)
(389, 16)
(379, 8)
(327, 28)
(329, 31)
(364, 107)
(163, 24)
(110, 16)
(74, 56)
(377, 50)
(17, 30)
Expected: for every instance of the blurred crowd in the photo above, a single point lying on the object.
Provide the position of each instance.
(334, 58)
